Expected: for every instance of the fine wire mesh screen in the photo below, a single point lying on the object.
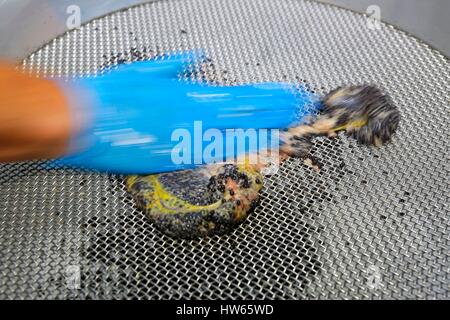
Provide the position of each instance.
(374, 223)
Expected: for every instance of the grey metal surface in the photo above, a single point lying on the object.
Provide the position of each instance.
(427, 20)
(374, 223)
(26, 25)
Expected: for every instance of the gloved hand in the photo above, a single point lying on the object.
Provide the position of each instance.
(129, 117)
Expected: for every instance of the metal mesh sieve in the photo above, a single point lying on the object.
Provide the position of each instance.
(373, 224)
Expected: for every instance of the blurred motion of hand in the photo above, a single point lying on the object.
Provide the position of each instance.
(122, 121)
(34, 118)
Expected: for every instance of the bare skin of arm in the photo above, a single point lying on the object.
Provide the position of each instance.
(34, 117)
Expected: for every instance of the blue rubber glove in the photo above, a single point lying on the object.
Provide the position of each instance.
(136, 117)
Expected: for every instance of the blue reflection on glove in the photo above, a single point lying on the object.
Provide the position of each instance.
(136, 108)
